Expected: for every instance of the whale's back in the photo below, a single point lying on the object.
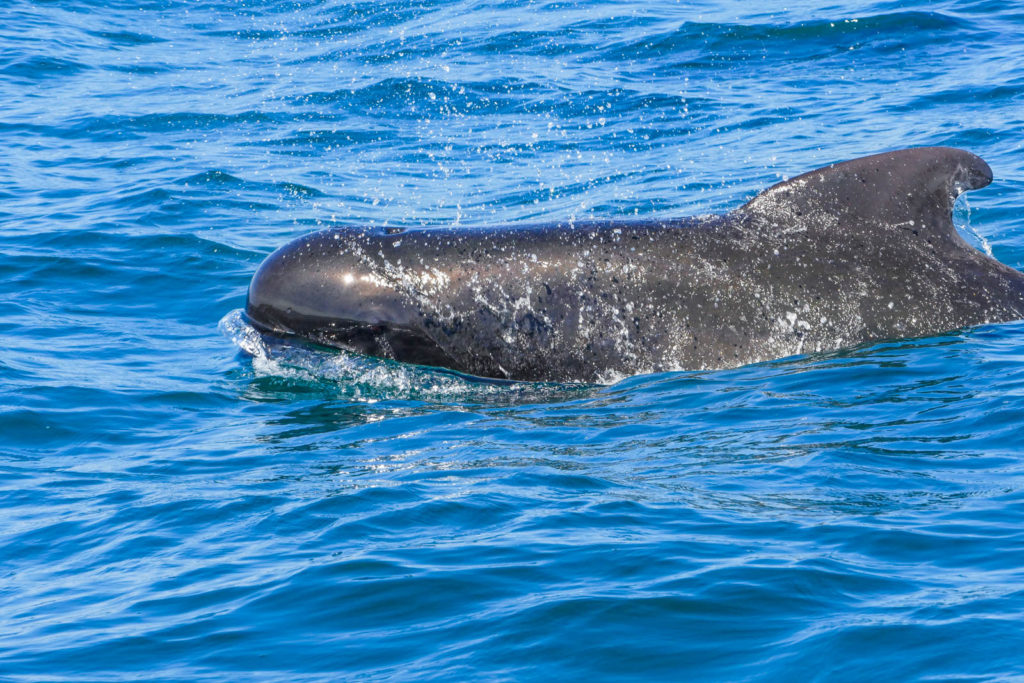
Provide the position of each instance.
(855, 252)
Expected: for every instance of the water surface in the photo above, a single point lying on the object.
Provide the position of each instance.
(173, 509)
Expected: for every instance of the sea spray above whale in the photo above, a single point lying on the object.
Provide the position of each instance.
(855, 252)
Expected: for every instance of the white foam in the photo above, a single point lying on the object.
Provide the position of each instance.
(367, 379)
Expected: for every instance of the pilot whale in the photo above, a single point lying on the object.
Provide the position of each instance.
(859, 251)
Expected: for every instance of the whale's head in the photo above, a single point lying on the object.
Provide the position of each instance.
(327, 288)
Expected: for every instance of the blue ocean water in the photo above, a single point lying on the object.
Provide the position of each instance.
(174, 509)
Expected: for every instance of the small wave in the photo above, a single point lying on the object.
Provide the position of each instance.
(215, 179)
(699, 44)
(985, 96)
(38, 67)
(126, 38)
(121, 127)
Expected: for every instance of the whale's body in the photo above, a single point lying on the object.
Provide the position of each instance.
(859, 251)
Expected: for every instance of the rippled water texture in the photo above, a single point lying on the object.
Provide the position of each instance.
(172, 508)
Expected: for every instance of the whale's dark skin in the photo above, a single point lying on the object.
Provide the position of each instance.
(859, 251)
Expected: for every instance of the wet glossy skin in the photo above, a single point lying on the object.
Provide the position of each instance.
(855, 252)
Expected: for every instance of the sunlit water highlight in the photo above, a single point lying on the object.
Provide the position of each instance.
(174, 509)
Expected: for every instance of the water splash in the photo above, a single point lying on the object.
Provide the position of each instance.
(962, 221)
(366, 379)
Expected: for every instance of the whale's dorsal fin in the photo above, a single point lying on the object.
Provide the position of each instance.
(910, 187)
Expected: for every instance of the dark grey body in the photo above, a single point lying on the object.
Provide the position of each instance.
(859, 251)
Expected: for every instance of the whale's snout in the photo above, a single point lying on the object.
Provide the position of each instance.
(285, 296)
